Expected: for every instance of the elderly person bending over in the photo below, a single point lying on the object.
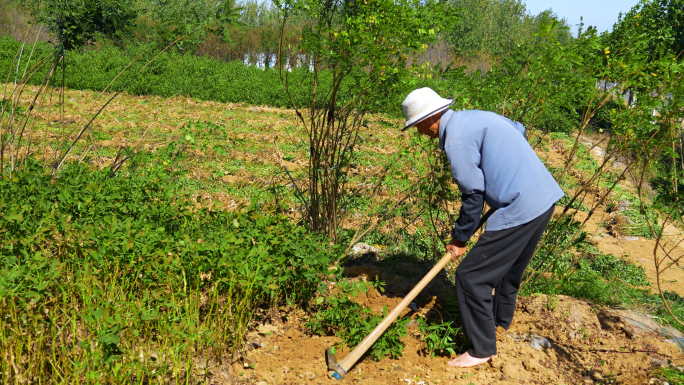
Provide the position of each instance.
(491, 162)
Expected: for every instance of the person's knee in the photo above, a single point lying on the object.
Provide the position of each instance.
(510, 286)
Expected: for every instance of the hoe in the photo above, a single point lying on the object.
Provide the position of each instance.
(338, 370)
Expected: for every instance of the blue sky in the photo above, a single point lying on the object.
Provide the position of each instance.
(600, 13)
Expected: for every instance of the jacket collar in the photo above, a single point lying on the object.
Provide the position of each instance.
(444, 120)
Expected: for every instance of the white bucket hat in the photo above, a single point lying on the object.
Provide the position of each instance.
(421, 104)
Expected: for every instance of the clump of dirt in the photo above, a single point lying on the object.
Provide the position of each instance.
(553, 339)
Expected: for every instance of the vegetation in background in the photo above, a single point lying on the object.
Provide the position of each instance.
(493, 29)
(77, 23)
(660, 21)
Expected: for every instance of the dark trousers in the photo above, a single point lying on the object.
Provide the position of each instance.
(497, 261)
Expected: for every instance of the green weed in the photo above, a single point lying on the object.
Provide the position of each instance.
(338, 314)
(611, 267)
(120, 278)
(440, 338)
(635, 223)
(672, 375)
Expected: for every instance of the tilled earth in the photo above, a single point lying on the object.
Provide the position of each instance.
(585, 344)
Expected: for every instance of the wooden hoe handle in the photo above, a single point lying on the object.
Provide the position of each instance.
(341, 368)
(347, 362)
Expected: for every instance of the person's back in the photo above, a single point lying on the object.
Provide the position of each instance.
(489, 153)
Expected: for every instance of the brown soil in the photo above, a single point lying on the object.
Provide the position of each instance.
(588, 345)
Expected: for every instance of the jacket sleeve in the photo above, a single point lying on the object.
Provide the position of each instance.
(464, 160)
(468, 217)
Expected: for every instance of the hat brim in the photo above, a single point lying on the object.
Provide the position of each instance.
(412, 123)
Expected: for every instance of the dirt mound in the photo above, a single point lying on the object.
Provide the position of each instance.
(553, 339)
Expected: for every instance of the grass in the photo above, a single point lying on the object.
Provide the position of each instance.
(672, 375)
(224, 138)
(128, 279)
(629, 207)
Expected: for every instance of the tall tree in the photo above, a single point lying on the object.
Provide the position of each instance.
(661, 21)
(77, 22)
(495, 27)
(359, 52)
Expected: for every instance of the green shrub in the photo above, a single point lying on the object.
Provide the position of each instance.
(170, 74)
(205, 78)
(440, 338)
(132, 263)
(338, 315)
(611, 267)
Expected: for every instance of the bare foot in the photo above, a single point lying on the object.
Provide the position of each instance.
(465, 360)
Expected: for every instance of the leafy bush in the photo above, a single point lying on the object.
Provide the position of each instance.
(131, 263)
(611, 267)
(560, 232)
(440, 338)
(206, 78)
(170, 74)
(339, 315)
(584, 272)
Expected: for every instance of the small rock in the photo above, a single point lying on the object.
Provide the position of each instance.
(531, 365)
(267, 329)
(678, 342)
(658, 362)
(598, 153)
(632, 238)
(293, 333)
(362, 249)
(624, 205)
(539, 342)
(597, 376)
(496, 362)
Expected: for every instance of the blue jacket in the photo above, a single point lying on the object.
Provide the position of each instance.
(492, 161)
